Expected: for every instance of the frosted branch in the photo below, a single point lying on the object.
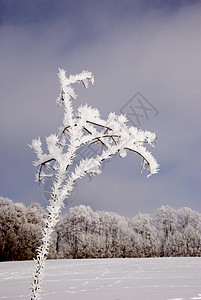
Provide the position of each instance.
(83, 128)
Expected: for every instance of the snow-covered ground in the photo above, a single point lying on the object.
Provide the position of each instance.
(106, 279)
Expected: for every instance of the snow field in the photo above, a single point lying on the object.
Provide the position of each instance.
(106, 279)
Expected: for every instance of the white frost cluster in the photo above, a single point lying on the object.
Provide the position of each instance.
(78, 129)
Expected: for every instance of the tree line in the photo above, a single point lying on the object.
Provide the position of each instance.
(83, 233)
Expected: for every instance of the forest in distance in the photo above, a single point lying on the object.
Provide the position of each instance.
(83, 233)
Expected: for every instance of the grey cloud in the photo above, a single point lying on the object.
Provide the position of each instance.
(156, 53)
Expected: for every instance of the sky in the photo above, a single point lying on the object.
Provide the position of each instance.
(142, 54)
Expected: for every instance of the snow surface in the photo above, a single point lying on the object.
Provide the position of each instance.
(106, 279)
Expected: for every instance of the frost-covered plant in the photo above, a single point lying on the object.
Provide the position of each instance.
(78, 129)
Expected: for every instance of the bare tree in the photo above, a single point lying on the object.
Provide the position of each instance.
(83, 128)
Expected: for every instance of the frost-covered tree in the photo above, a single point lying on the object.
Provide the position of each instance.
(179, 231)
(166, 219)
(20, 230)
(84, 233)
(80, 128)
(143, 225)
(189, 227)
(8, 237)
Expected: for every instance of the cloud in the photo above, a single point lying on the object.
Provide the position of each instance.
(153, 49)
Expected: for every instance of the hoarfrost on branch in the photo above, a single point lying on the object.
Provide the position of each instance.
(84, 127)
